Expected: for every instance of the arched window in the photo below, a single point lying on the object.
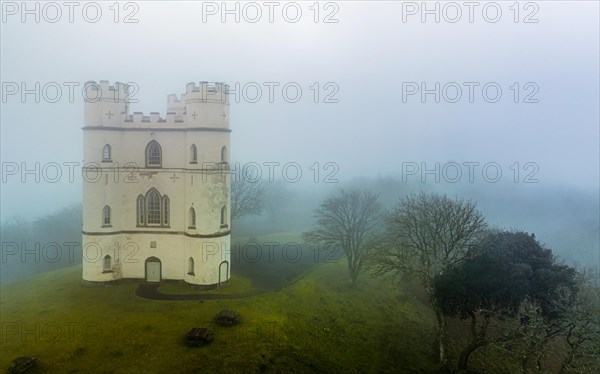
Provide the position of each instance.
(224, 154)
(165, 210)
(191, 266)
(153, 154)
(106, 264)
(141, 211)
(106, 153)
(224, 216)
(153, 207)
(193, 154)
(106, 216)
(192, 218)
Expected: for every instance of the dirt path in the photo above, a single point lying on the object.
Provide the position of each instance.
(150, 291)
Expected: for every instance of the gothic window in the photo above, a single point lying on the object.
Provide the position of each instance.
(191, 266)
(193, 154)
(153, 209)
(141, 211)
(106, 153)
(106, 216)
(153, 154)
(192, 218)
(165, 210)
(224, 154)
(106, 265)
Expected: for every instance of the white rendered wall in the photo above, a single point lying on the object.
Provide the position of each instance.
(204, 185)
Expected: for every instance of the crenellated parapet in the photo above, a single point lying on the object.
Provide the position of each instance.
(206, 92)
(203, 105)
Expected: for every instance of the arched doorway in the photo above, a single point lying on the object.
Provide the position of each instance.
(153, 268)
(223, 272)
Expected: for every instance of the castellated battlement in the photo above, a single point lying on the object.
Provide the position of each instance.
(154, 117)
(202, 105)
(217, 92)
(104, 91)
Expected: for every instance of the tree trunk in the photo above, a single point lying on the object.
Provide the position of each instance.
(353, 273)
(477, 340)
(464, 355)
(441, 335)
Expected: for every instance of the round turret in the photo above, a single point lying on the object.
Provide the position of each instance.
(206, 105)
(105, 105)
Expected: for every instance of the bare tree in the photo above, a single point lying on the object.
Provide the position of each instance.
(581, 328)
(247, 197)
(278, 196)
(425, 234)
(347, 220)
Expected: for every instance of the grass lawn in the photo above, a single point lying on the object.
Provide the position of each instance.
(317, 324)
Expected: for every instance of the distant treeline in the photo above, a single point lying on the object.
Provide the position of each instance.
(565, 219)
(46, 243)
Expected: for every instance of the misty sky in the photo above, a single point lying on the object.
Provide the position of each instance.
(366, 56)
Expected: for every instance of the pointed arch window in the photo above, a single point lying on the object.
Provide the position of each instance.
(193, 154)
(106, 264)
(191, 266)
(106, 152)
(192, 218)
(141, 211)
(224, 154)
(165, 210)
(153, 209)
(153, 155)
(106, 216)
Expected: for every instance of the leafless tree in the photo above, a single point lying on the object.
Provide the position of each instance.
(278, 196)
(247, 197)
(425, 234)
(347, 220)
(581, 328)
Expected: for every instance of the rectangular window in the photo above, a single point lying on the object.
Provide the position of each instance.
(154, 158)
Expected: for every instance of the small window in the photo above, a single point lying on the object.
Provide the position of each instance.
(153, 154)
(165, 210)
(224, 154)
(192, 218)
(106, 153)
(141, 211)
(106, 216)
(191, 266)
(193, 154)
(106, 266)
(224, 216)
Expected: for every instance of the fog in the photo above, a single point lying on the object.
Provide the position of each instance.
(528, 155)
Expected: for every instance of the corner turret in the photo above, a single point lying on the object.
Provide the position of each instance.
(105, 105)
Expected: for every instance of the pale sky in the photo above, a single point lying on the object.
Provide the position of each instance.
(368, 57)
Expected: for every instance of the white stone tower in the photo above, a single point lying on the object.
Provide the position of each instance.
(156, 192)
